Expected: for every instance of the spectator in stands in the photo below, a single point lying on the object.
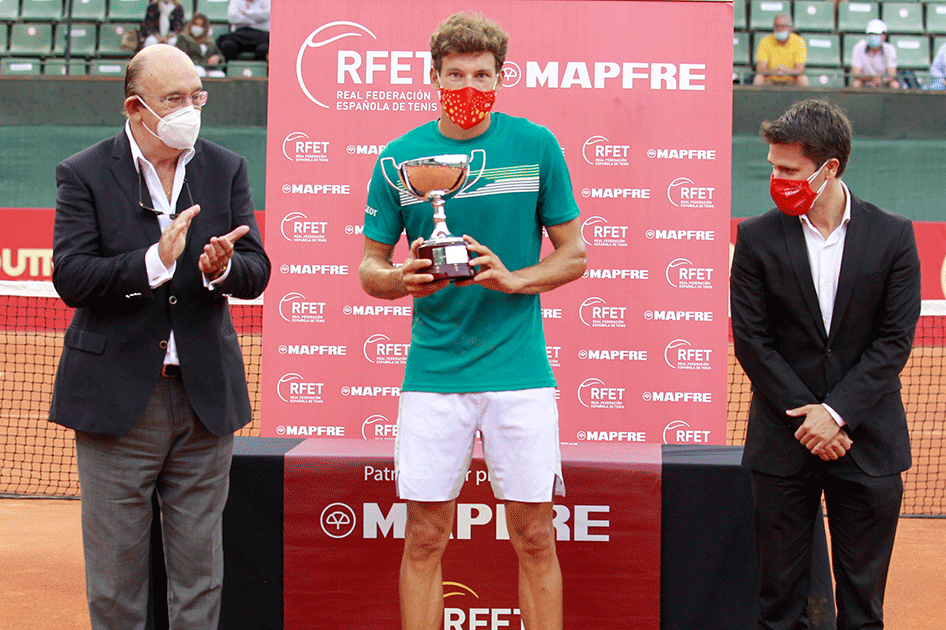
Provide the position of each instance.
(781, 56)
(249, 30)
(938, 70)
(164, 21)
(196, 42)
(874, 61)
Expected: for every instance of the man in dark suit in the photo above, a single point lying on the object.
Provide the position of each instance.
(825, 300)
(154, 229)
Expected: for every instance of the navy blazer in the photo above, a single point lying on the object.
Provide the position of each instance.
(780, 340)
(115, 345)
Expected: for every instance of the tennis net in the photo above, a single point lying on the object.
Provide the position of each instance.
(37, 458)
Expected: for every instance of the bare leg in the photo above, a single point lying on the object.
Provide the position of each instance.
(540, 576)
(425, 538)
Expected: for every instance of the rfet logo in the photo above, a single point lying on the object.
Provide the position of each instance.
(474, 615)
(338, 520)
(295, 308)
(681, 355)
(596, 231)
(594, 312)
(298, 147)
(293, 388)
(378, 427)
(380, 349)
(679, 432)
(296, 228)
(594, 394)
(684, 193)
(358, 71)
(683, 274)
(599, 151)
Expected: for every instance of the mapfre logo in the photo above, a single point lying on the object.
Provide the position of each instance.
(681, 355)
(293, 388)
(298, 147)
(594, 312)
(679, 432)
(296, 228)
(338, 520)
(594, 394)
(295, 308)
(356, 71)
(597, 232)
(681, 154)
(599, 151)
(683, 274)
(378, 427)
(379, 349)
(684, 193)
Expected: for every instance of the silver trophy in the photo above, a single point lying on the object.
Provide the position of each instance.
(433, 179)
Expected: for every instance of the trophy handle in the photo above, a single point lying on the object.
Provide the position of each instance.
(482, 168)
(384, 172)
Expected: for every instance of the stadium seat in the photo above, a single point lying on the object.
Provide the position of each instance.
(814, 15)
(848, 42)
(247, 69)
(9, 10)
(84, 35)
(742, 75)
(4, 39)
(217, 29)
(936, 17)
(824, 49)
(762, 13)
(31, 38)
(913, 51)
(57, 67)
(854, 16)
(826, 77)
(127, 10)
(110, 39)
(108, 67)
(41, 10)
(740, 49)
(215, 10)
(938, 42)
(19, 66)
(902, 17)
(739, 18)
(87, 10)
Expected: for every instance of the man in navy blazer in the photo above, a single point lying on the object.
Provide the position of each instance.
(154, 229)
(825, 296)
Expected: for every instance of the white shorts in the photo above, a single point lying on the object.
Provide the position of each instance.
(436, 433)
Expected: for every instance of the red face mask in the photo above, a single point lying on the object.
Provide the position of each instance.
(795, 197)
(467, 107)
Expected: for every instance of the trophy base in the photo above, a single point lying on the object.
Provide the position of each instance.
(450, 258)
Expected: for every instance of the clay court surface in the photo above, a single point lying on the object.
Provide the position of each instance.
(42, 586)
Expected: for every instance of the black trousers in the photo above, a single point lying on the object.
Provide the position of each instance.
(244, 39)
(862, 518)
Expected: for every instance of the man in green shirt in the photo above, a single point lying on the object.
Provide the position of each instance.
(478, 360)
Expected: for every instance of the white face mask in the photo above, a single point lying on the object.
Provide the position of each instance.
(197, 31)
(782, 35)
(179, 129)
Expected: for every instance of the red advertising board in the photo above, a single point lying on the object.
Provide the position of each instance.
(639, 96)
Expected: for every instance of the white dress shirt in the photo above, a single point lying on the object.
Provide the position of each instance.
(824, 257)
(158, 274)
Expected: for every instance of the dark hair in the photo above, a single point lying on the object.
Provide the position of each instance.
(822, 130)
(468, 33)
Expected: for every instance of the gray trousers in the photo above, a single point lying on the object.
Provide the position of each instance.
(169, 451)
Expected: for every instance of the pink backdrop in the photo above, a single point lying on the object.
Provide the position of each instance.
(639, 96)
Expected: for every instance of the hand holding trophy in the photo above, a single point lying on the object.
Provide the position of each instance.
(433, 179)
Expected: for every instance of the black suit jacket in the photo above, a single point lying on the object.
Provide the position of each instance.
(781, 343)
(116, 342)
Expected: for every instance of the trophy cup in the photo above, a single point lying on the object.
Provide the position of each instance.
(432, 179)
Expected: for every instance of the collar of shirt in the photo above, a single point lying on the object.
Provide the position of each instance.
(159, 198)
(824, 257)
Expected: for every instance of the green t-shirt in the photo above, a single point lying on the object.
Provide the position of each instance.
(473, 339)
